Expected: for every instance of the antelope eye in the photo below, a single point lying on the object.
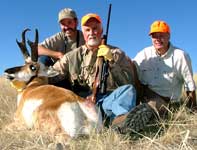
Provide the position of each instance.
(32, 67)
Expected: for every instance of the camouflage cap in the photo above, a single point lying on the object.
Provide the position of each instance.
(66, 13)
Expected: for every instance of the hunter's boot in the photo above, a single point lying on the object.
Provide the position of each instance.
(136, 120)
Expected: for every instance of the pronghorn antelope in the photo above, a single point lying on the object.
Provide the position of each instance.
(47, 107)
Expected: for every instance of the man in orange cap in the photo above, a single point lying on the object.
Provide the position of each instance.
(79, 66)
(164, 69)
(54, 47)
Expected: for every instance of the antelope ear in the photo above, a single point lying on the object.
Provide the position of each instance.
(51, 72)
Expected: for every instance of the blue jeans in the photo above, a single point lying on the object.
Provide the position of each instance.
(119, 102)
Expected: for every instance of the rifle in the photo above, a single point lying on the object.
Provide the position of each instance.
(102, 65)
(105, 66)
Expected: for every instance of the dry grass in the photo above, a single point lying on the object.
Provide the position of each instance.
(179, 132)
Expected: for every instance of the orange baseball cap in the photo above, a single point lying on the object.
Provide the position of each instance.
(159, 26)
(88, 16)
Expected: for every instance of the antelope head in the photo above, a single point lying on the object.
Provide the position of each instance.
(47, 107)
(22, 75)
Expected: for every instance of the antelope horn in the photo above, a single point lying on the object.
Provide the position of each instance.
(23, 47)
(34, 47)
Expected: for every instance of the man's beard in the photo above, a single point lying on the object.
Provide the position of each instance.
(93, 42)
(69, 33)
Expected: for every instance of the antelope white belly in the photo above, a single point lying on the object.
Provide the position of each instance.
(28, 109)
(72, 118)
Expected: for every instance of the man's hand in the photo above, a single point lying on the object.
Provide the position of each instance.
(191, 96)
(105, 52)
(59, 55)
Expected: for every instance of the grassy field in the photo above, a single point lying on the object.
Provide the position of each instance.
(179, 132)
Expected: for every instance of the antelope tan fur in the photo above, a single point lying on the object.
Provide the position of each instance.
(47, 107)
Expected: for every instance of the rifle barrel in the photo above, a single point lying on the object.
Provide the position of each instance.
(108, 21)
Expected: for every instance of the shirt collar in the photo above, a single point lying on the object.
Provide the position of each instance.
(86, 51)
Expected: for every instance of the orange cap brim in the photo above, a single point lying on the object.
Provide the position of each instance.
(89, 16)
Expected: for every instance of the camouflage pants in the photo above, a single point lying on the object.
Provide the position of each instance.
(159, 103)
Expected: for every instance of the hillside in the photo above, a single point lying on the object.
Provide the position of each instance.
(179, 132)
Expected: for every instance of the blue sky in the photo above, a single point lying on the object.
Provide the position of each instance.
(129, 25)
